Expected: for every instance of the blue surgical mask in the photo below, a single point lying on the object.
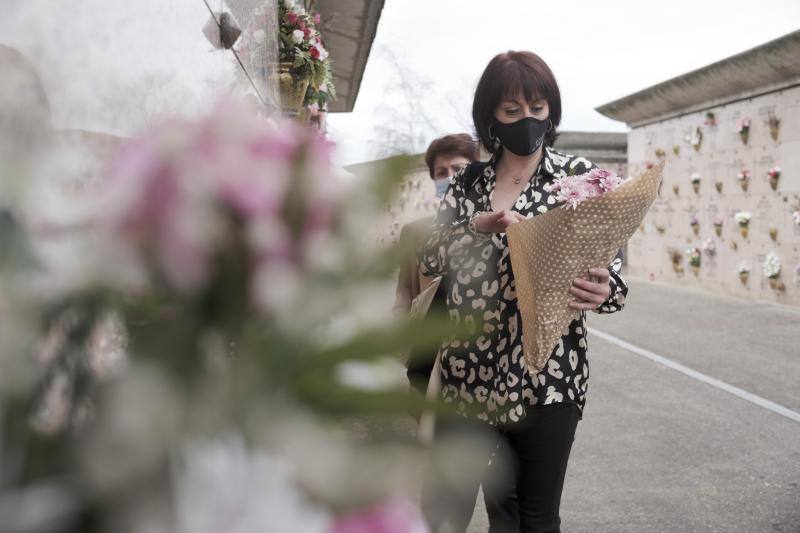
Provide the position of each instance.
(441, 187)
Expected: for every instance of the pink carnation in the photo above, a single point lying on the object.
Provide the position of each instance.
(572, 190)
(395, 516)
(742, 124)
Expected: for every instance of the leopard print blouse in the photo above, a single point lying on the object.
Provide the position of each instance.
(484, 375)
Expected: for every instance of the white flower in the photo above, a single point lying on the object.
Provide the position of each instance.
(772, 265)
(383, 374)
(695, 178)
(224, 486)
(743, 269)
(796, 216)
(259, 36)
(297, 36)
(742, 218)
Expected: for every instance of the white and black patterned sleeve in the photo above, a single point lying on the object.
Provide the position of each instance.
(619, 288)
(451, 239)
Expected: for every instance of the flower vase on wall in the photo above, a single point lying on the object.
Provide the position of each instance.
(774, 126)
(774, 175)
(293, 87)
(743, 129)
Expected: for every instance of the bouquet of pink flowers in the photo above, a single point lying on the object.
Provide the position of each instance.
(572, 190)
(300, 41)
(550, 250)
(742, 124)
(191, 197)
(743, 128)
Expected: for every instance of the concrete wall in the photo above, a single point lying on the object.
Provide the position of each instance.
(720, 157)
(608, 150)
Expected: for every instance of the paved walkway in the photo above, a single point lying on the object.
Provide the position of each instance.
(660, 450)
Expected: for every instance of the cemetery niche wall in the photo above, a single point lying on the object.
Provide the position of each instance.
(728, 214)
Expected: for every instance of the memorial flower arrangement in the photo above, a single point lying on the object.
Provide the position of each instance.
(744, 272)
(718, 185)
(744, 178)
(796, 217)
(743, 219)
(718, 226)
(696, 139)
(695, 178)
(772, 269)
(695, 257)
(711, 119)
(694, 222)
(299, 39)
(796, 274)
(600, 212)
(774, 174)
(743, 128)
(772, 265)
(224, 247)
(660, 153)
(709, 247)
(676, 149)
(301, 46)
(573, 190)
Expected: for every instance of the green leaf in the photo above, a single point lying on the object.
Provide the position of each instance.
(17, 252)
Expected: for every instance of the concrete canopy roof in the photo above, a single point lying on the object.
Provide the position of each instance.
(765, 67)
(348, 28)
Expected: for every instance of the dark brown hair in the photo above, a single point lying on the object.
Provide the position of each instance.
(456, 144)
(506, 76)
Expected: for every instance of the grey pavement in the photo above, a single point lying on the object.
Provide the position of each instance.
(658, 451)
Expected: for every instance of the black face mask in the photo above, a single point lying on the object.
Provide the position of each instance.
(522, 137)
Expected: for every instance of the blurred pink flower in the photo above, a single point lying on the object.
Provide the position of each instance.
(742, 124)
(173, 194)
(575, 189)
(393, 516)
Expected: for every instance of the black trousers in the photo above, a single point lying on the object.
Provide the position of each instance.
(522, 472)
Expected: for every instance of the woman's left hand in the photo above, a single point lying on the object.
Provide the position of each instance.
(590, 290)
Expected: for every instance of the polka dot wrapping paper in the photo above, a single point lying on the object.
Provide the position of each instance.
(550, 250)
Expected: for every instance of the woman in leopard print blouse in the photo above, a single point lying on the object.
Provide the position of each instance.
(516, 110)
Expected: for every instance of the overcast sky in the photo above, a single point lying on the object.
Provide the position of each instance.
(107, 65)
(599, 51)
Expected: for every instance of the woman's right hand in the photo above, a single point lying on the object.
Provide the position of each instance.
(497, 221)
